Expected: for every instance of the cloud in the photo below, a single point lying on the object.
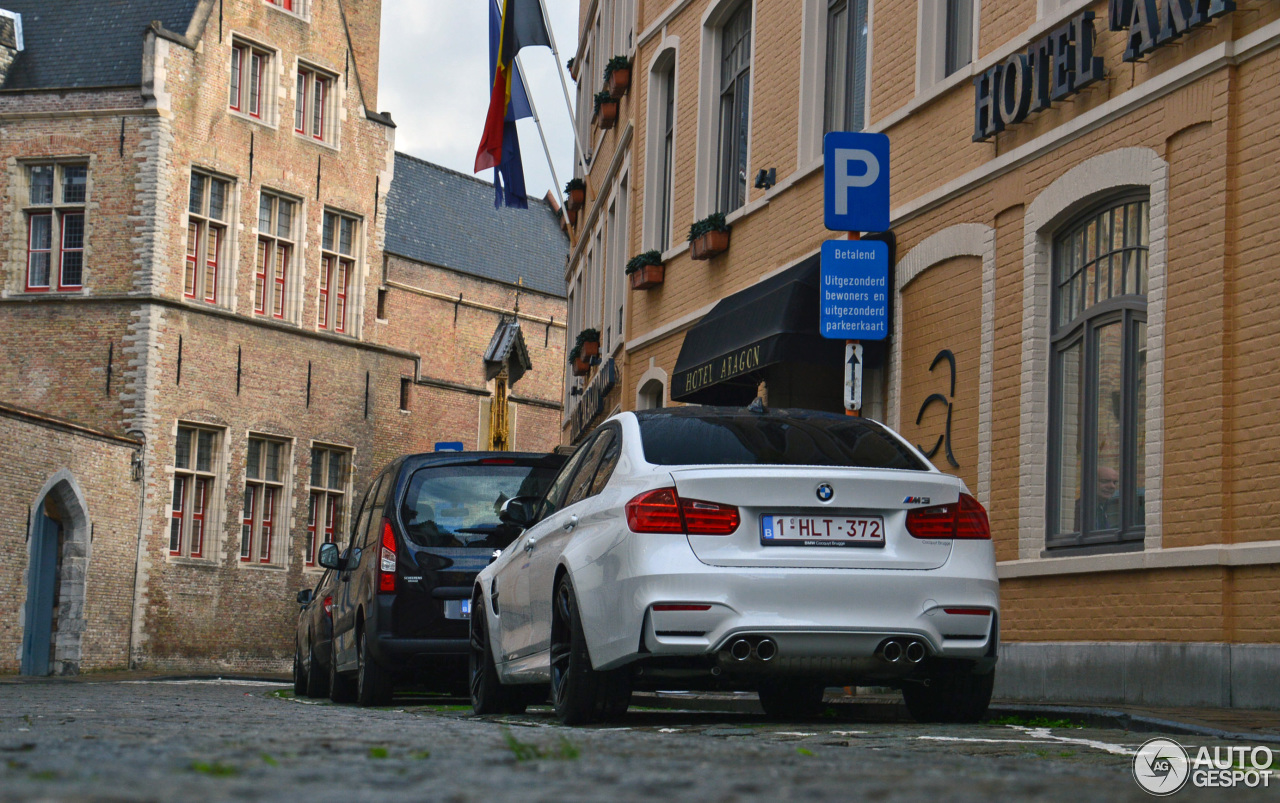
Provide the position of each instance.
(434, 76)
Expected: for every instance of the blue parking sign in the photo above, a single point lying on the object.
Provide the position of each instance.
(856, 181)
(853, 295)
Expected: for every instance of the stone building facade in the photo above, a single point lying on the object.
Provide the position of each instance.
(196, 204)
(1082, 257)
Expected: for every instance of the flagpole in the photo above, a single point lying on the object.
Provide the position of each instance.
(542, 136)
(568, 104)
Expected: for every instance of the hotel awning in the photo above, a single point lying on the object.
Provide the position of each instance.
(773, 321)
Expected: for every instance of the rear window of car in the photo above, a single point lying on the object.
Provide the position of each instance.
(457, 505)
(762, 439)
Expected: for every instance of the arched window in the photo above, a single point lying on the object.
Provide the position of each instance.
(1097, 380)
(735, 105)
(652, 395)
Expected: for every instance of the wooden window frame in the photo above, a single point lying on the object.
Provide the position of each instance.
(57, 210)
(733, 101)
(312, 108)
(193, 492)
(263, 499)
(337, 266)
(274, 256)
(326, 499)
(249, 82)
(204, 263)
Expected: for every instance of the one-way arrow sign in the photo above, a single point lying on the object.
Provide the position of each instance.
(853, 375)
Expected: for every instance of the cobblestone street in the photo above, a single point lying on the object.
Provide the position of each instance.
(202, 740)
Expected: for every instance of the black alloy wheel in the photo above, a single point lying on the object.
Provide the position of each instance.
(488, 695)
(317, 683)
(579, 693)
(342, 689)
(791, 698)
(373, 682)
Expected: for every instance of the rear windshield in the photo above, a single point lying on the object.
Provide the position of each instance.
(457, 506)
(752, 438)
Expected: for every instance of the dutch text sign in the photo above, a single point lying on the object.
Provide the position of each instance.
(856, 181)
(854, 293)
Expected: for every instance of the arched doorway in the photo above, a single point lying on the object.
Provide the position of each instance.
(58, 560)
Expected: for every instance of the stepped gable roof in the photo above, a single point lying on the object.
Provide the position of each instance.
(88, 43)
(446, 218)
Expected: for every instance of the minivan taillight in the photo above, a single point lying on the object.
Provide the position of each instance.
(963, 519)
(387, 560)
(328, 607)
(663, 511)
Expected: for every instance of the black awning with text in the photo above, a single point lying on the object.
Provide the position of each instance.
(773, 321)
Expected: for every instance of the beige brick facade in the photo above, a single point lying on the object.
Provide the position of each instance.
(1189, 128)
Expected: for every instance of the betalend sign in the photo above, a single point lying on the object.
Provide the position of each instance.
(854, 290)
(1063, 63)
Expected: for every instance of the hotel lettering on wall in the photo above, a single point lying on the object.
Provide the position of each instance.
(1063, 63)
(722, 368)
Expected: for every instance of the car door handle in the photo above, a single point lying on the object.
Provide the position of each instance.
(571, 523)
(530, 544)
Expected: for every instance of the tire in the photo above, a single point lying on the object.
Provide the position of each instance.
(488, 695)
(342, 689)
(579, 693)
(952, 695)
(373, 683)
(317, 683)
(791, 698)
(299, 678)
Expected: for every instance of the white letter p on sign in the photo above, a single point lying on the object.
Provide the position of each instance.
(845, 181)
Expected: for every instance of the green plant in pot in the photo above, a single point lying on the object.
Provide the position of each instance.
(578, 362)
(709, 237)
(646, 270)
(575, 194)
(606, 109)
(617, 76)
(588, 344)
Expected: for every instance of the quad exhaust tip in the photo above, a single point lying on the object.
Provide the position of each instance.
(892, 651)
(740, 649)
(911, 650)
(766, 649)
(915, 652)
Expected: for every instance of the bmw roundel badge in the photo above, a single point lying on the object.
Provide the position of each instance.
(825, 492)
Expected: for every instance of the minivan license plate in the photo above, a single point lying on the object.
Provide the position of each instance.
(840, 531)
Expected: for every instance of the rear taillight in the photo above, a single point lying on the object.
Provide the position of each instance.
(328, 606)
(387, 560)
(663, 511)
(963, 519)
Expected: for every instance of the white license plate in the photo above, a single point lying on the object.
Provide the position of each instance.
(842, 531)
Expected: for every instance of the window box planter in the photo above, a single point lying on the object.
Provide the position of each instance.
(588, 344)
(575, 194)
(646, 270)
(572, 212)
(606, 115)
(581, 367)
(709, 237)
(617, 76)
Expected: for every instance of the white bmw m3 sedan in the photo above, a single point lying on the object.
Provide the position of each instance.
(712, 548)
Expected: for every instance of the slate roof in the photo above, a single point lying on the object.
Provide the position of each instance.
(88, 43)
(442, 217)
(507, 347)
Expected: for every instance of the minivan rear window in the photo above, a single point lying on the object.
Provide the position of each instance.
(798, 439)
(457, 505)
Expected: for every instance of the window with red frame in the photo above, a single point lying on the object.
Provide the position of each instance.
(287, 5)
(250, 80)
(311, 114)
(274, 262)
(265, 466)
(56, 195)
(329, 470)
(208, 212)
(194, 481)
(337, 264)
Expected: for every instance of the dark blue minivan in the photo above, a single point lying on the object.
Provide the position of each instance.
(427, 525)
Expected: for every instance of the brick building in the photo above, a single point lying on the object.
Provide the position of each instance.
(196, 297)
(1082, 265)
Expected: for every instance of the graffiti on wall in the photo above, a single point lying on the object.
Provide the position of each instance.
(944, 440)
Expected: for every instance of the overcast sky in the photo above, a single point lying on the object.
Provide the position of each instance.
(434, 81)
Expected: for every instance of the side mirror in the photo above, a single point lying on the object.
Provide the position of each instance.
(304, 597)
(329, 556)
(518, 511)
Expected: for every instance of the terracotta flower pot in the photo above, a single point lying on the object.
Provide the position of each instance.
(576, 199)
(712, 243)
(648, 276)
(590, 348)
(619, 82)
(580, 366)
(608, 115)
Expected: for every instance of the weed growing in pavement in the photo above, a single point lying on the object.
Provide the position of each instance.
(27, 719)
(1042, 753)
(1066, 754)
(421, 754)
(216, 769)
(378, 752)
(269, 761)
(1035, 722)
(283, 694)
(525, 751)
(44, 775)
(803, 751)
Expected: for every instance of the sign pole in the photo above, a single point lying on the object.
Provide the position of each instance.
(855, 393)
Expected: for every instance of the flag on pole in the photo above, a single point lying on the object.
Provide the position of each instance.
(513, 24)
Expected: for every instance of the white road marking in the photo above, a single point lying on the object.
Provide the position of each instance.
(1043, 733)
(668, 730)
(792, 733)
(847, 733)
(982, 741)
